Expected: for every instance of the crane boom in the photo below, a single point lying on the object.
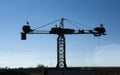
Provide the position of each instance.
(61, 31)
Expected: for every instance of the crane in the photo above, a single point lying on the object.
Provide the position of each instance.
(61, 31)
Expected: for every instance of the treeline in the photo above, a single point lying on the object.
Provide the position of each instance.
(20, 70)
(38, 66)
(9, 72)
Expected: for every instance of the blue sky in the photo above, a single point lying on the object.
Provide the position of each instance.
(82, 50)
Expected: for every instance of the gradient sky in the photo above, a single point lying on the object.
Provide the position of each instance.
(82, 50)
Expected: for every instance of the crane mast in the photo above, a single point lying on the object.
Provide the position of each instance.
(61, 50)
(61, 31)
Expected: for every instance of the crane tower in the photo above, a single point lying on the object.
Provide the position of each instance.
(61, 32)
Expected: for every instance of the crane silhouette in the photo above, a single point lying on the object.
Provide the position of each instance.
(61, 31)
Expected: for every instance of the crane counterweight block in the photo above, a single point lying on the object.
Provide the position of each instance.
(23, 36)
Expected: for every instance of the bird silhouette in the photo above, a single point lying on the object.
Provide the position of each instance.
(27, 22)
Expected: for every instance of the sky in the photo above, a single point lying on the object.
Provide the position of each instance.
(81, 50)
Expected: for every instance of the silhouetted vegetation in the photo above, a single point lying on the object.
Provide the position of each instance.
(20, 70)
(40, 66)
(9, 72)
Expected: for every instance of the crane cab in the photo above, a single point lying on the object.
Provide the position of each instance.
(62, 31)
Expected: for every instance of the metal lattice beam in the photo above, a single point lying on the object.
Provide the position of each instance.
(61, 51)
